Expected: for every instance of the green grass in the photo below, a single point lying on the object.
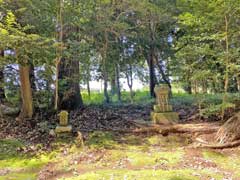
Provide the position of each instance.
(179, 99)
(184, 174)
(142, 159)
(110, 156)
(100, 139)
(227, 162)
(140, 97)
(20, 165)
(20, 176)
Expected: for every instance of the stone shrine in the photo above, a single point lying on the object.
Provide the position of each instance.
(63, 126)
(163, 111)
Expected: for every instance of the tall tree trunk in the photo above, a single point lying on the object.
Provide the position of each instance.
(88, 78)
(195, 87)
(204, 86)
(226, 81)
(105, 73)
(69, 90)
(117, 79)
(161, 71)
(129, 76)
(32, 77)
(2, 92)
(238, 82)
(113, 84)
(152, 76)
(26, 92)
(226, 77)
(59, 52)
(88, 89)
(189, 87)
(105, 87)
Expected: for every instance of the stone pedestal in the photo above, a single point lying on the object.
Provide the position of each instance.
(163, 111)
(63, 127)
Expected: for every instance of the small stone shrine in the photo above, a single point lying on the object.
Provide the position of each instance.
(63, 126)
(163, 111)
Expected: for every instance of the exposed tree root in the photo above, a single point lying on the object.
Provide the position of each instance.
(203, 128)
(229, 131)
(228, 135)
(219, 146)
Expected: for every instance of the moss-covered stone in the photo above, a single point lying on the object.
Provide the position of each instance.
(162, 108)
(63, 129)
(63, 118)
(164, 118)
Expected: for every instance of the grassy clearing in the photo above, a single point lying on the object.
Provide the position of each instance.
(113, 156)
(107, 156)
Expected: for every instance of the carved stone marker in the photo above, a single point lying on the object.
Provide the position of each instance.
(163, 111)
(63, 126)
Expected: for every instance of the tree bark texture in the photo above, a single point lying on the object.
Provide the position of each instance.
(2, 92)
(152, 76)
(26, 92)
(69, 90)
(117, 77)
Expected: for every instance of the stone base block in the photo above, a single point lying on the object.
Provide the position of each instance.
(164, 118)
(63, 129)
(162, 108)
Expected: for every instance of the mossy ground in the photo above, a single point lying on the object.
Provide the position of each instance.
(229, 161)
(15, 165)
(120, 156)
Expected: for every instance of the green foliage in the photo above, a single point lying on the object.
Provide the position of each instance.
(207, 42)
(95, 98)
(210, 104)
(216, 110)
(140, 97)
(114, 39)
(9, 148)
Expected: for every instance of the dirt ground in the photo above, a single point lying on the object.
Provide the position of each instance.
(28, 151)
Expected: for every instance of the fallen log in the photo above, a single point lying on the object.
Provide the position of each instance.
(205, 128)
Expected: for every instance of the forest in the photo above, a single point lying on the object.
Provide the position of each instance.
(119, 89)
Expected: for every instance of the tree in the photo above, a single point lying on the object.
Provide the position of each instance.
(2, 92)
(25, 48)
(208, 40)
(67, 94)
(155, 21)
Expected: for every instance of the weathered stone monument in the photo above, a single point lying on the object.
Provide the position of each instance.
(163, 111)
(63, 126)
